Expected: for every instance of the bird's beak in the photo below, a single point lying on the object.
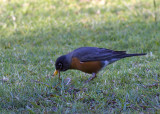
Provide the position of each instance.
(55, 72)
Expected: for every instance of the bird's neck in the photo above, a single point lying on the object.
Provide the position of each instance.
(69, 58)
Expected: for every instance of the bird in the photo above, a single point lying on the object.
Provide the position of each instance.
(89, 60)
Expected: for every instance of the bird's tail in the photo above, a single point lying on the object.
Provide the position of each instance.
(131, 55)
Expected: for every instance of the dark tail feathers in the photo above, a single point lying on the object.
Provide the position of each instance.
(130, 55)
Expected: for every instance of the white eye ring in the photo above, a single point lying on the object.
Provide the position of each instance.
(60, 64)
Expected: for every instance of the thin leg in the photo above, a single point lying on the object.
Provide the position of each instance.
(59, 75)
(91, 78)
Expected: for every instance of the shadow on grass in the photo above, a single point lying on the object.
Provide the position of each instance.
(27, 58)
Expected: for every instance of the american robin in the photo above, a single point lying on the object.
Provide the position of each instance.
(89, 60)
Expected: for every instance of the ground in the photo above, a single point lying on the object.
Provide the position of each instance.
(33, 33)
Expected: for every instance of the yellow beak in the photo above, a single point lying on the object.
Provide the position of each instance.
(55, 72)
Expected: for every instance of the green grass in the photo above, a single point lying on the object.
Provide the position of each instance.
(33, 33)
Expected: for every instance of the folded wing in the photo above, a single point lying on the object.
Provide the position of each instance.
(86, 54)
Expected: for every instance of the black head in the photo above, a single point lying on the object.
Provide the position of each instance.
(62, 63)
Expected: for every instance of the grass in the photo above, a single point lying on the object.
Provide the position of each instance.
(34, 33)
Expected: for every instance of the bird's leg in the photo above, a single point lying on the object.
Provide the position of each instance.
(91, 78)
(59, 75)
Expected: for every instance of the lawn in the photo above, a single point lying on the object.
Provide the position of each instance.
(33, 33)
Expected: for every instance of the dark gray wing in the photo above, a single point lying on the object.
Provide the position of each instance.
(97, 54)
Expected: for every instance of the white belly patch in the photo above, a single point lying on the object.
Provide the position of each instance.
(106, 63)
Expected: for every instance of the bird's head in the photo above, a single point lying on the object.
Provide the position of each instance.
(61, 64)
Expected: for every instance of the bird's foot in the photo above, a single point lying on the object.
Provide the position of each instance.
(91, 78)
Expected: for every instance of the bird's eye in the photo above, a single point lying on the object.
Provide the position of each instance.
(60, 65)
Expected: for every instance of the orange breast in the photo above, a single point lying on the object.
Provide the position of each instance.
(88, 67)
